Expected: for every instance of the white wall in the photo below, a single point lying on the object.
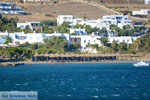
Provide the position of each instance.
(124, 39)
(147, 1)
(64, 18)
(88, 39)
(77, 31)
(144, 12)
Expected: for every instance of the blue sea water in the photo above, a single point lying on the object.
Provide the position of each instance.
(114, 81)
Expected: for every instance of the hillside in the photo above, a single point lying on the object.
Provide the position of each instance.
(77, 9)
(102, 1)
(120, 1)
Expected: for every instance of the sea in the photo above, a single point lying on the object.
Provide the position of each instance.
(104, 81)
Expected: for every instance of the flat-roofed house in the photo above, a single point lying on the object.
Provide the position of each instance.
(10, 9)
(32, 25)
(142, 12)
(64, 18)
(147, 1)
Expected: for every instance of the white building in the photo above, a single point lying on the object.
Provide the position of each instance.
(64, 18)
(30, 24)
(77, 31)
(65, 36)
(147, 1)
(122, 39)
(10, 9)
(31, 38)
(85, 40)
(105, 22)
(119, 20)
(142, 12)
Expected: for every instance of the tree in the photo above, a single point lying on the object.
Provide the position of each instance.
(16, 52)
(63, 29)
(8, 40)
(42, 51)
(88, 29)
(48, 30)
(79, 26)
(104, 41)
(33, 46)
(54, 45)
(102, 32)
(49, 23)
(27, 29)
(122, 48)
(114, 46)
(142, 44)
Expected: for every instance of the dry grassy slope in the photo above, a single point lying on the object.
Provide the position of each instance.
(77, 9)
(106, 1)
(120, 1)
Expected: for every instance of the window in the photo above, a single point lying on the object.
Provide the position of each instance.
(38, 38)
(22, 26)
(84, 41)
(30, 38)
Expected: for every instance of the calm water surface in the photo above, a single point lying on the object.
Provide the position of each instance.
(118, 81)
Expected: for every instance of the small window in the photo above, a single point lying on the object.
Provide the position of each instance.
(30, 38)
(84, 41)
(38, 38)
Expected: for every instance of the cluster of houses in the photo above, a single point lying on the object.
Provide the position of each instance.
(21, 38)
(105, 22)
(80, 35)
(11, 9)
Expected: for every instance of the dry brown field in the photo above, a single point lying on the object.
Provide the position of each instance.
(78, 9)
(129, 7)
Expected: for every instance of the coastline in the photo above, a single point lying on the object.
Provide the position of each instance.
(43, 62)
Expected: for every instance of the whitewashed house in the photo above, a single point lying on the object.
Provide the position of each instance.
(105, 22)
(119, 20)
(21, 37)
(147, 1)
(142, 12)
(85, 40)
(65, 36)
(77, 31)
(64, 18)
(31, 25)
(10, 9)
(122, 39)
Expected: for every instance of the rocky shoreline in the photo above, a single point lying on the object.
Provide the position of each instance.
(13, 64)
